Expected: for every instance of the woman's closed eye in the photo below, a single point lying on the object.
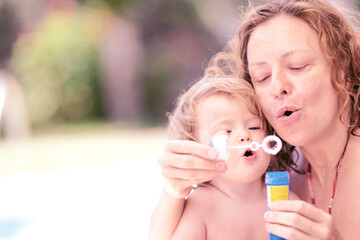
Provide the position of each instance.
(263, 79)
(299, 68)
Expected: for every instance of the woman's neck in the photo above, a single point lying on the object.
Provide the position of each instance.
(325, 152)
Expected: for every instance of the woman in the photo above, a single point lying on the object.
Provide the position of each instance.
(303, 60)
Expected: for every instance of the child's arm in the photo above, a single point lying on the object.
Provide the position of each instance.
(192, 224)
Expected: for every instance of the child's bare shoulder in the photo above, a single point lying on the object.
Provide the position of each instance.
(203, 197)
(201, 192)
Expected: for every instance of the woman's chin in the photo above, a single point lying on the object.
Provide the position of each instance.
(293, 138)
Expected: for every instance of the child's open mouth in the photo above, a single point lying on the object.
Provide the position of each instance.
(249, 155)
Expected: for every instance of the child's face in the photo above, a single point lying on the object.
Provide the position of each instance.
(220, 114)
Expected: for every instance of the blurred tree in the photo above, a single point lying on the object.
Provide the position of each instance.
(14, 121)
(177, 47)
(9, 26)
(121, 53)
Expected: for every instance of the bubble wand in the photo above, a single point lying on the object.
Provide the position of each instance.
(221, 144)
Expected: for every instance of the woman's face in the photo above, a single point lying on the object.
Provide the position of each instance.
(291, 77)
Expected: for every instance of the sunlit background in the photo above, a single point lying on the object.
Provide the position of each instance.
(84, 90)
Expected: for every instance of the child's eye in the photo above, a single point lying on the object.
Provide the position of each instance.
(224, 132)
(254, 128)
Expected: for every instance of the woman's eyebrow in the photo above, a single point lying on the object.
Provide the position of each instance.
(284, 55)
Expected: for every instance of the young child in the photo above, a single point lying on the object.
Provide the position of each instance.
(231, 206)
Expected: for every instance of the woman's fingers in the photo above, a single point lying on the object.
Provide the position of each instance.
(192, 148)
(190, 155)
(299, 220)
(180, 181)
(193, 176)
(185, 163)
(287, 232)
(181, 187)
(304, 208)
(290, 225)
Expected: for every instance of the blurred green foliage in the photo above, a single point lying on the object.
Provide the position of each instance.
(120, 6)
(58, 61)
(114, 4)
(58, 65)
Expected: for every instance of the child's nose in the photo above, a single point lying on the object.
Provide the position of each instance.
(244, 137)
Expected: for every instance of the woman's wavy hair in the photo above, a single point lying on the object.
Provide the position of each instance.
(182, 121)
(338, 38)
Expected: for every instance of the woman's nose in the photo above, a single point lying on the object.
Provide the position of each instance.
(280, 85)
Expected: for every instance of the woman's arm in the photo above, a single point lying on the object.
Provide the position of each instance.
(166, 216)
(183, 164)
(192, 223)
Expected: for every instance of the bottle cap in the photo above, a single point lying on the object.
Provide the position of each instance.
(277, 178)
(274, 237)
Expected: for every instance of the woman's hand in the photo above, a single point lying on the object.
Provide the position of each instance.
(296, 219)
(185, 163)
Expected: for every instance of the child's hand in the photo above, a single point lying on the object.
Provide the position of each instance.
(186, 163)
